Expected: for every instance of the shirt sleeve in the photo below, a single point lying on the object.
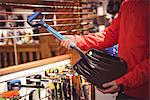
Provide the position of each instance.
(136, 77)
(101, 40)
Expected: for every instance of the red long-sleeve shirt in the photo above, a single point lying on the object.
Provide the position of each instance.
(130, 30)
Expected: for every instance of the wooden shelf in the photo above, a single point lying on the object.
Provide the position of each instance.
(34, 64)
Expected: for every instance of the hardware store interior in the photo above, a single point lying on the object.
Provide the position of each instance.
(33, 63)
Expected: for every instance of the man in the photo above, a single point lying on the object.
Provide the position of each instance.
(130, 30)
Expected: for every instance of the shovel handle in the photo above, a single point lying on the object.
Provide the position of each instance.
(56, 34)
(49, 28)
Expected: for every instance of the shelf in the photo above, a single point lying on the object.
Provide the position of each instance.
(35, 66)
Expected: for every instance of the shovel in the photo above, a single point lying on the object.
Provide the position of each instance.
(96, 66)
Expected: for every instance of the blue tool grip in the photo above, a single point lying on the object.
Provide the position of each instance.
(30, 18)
(14, 81)
(11, 83)
(33, 16)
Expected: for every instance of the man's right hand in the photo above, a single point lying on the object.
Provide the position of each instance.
(66, 43)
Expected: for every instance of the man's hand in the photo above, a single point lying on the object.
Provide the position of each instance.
(110, 87)
(66, 43)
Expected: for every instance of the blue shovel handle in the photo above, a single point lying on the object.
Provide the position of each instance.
(49, 28)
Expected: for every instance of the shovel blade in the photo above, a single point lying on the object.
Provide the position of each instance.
(100, 67)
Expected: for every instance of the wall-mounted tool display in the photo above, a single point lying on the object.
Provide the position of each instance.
(58, 83)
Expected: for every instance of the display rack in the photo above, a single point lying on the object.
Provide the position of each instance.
(38, 65)
(20, 73)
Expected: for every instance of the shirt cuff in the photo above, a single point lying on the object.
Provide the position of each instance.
(119, 81)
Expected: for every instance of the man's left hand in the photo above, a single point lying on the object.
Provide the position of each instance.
(110, 87)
